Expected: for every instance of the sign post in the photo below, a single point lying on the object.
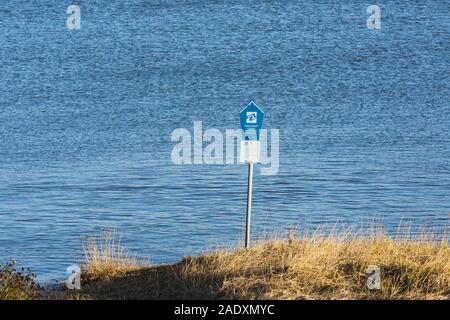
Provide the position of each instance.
(251, 122)
(249, 204)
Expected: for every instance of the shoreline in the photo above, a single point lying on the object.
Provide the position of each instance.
(323, 265)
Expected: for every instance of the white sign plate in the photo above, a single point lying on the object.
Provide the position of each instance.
(250, 151)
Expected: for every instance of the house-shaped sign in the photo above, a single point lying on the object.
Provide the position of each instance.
(251, 121)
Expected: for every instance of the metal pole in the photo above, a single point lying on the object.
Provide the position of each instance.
(249, 204)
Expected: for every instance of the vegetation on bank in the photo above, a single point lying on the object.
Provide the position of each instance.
(319, 266)
(17, 284)
(322, 265)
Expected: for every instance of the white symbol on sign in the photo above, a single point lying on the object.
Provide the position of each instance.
(251, 117)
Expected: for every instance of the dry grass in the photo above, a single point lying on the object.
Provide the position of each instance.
(323, 265)
(105, 257)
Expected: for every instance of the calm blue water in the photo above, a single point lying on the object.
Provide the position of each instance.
(86, 117)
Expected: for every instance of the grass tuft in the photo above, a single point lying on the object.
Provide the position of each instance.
(105, 257)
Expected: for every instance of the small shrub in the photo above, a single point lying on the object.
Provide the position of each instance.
(17, 284)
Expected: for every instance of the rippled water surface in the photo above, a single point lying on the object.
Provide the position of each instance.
(86, 117)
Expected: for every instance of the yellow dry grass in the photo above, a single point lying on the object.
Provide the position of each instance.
(105, 256)
(323, 265)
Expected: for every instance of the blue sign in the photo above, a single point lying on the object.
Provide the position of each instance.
(251, 121)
